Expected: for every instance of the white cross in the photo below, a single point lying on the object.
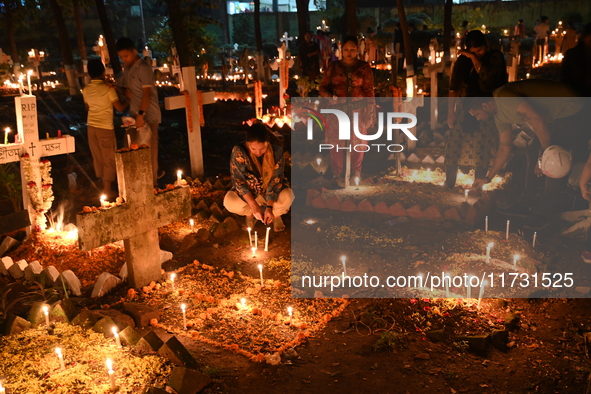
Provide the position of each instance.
(286, 38)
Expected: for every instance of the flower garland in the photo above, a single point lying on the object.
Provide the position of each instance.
(258, 99)
(285, 78)
(40, 200)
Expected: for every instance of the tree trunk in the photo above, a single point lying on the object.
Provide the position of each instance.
(67, 56)
(408, 51)
(351, 17)
(225, 24)
(109, 38)
(10, 34)
(179, 35)
(258, 38)
(447, 28)
(80, 37)
(303, 17)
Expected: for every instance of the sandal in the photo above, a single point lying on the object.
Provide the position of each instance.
(278, 225)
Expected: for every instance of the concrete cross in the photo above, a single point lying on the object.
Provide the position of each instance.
(29, 143)
(432, 69)
(137, 220)
(286, 39)
(193, 122)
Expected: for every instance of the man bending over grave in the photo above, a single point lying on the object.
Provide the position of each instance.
(138, 82)
(99, 100)
(554, 112)
(260, 189)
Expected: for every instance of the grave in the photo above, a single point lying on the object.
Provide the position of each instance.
(136, 221)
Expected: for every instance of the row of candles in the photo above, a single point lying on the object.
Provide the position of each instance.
(60, 354)
(254, 241)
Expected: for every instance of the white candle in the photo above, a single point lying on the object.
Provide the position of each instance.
(184, 309)
(103, 198)
(515, 258)
(481, 292)
(192, 224)
(2, 389)
(490, 245)
(111, 375)
(249, 236)
(533, 244)
(116, 335)
(20, 81)
(179, 175)
(46, 313)
(507, 231)
(60, 357)
(344, 263)
(267, 239)
(261, 274)
(6, 131)
(466, 195)
(128, 141)
(256, 240)
(486, 224)
(243, 303)
(469, 289)
(318, 161)
(290, 313)
(29, 81)
(172, 278)
(254, 251)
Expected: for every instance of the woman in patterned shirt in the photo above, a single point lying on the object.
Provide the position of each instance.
(257, 169)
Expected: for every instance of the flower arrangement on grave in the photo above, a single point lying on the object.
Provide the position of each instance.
(41, 198)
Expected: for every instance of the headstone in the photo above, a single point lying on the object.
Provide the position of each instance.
(63, 311)
(105, 283)
(150, 342)
(136, 221)
(142, 314)
(17, 270)
(71, 281)
(32, 270)
(14, 325)
(188, 381)
(105, 326)
(7, 244)
(51, 275)
(85, 319)
(178, 354)
(122, 320)
(191, 105)
(165, 256)
(13, 222)
(129, 336)
(36, 315)
(5, 263)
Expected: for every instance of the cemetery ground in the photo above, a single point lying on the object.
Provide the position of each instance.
(390, 345)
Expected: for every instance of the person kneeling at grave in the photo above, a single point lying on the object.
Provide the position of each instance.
(260, 189)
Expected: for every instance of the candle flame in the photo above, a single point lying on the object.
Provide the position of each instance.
(516, 257)
(343, 259)
(172, 277)
(356, 181)
(243, 302)
(191, 222)
(310, 221)
(179, 173)
(318, 161)
(490, 245)
(254, 250)
(7, 130)
(260, 267)
(115, 331)
(58, 351)
(109, 364)
(183, 307)
(290, 311)
(46, 309)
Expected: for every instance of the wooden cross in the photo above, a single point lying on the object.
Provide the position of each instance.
(285, 39)
(137, 220)
(193, 121)
(29, 143)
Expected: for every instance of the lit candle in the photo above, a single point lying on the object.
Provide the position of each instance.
(533, 244)
(20, 81)
(116, 335)
(47, 135)
(129, 141)
(261, 274)
(172, 278)
(290, 313)
(356, 183)
(29, 81)
(254, 251)
(469, 289)
(515, 258)
(267, 239)
(318, 161)
(256, 240)
(2, 389)
(184, 309)
(103, 198)
(507, 231)
(490, 245)
(249, 236)
(179, 174)
(46, 313)
(243, 303)
(344, 262)
(60, 357)
(481, 293)
(486, 224)
(6, 131)
(111, 375)
(466, 195)
(192, 224)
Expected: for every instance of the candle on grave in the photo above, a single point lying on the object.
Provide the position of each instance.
(344, 262)
(117, 339)
(533, 244)
(515, 258)
(179, 175)
(267, 239)
(2, 389)
(318, 161)
(60, 357)
(486, 224)
(290, 313)
(29, 81)
(46, 313)
(256, 240)
(47, 135)
(469, 289)
(261, 274)
(20, 81)
(129, 141)
(356, 183)
(111, 374)
(6, 131)
(172, 278)
(243, 303)
(507, 231)
(249, 236)
(466, 195)
(254, 251)
(184, 309)
(490, 245)
(481, 293)
(103, 198)
(192, 224)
